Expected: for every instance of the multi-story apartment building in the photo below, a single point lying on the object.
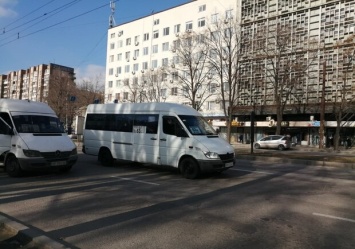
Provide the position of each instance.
(145, 45)
(50, 83)
(34, 83)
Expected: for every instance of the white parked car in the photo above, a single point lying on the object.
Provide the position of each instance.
(273, 142)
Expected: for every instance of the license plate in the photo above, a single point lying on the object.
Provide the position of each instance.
(229, 164)
(58, 163)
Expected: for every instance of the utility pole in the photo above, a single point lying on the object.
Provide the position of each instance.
(112, 22)
(322, 111)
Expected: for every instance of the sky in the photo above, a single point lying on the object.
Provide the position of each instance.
(71, 33)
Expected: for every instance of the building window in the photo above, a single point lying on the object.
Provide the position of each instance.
(136, 54)
(127, 69)
(229, 14)
(128, 41)
(174, 91)
(201, 22)
(166, 46)
(214, 18)
(145, 65)
(155, 49)
(110, 71)
(111, 58)
(118, 83)
(125, 95)
(154, 63)
(177, 28)
(145, 51)
(202, 8)
(156, 22)
(120, 44)
(119, 57)
(166, 31)
(156, 34)
(117, 96)
(110, 83)
(118, 70)
(126, 82)
(113, 35)
(135, 67)
(109, 97)
(136, 40)
(112, 45)
(163, 92)
(165, 62)
(188, 25)
(146, 37)
(128, 55)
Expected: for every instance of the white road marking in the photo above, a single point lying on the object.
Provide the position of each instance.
(130, 179)
(254, 171)
(334, 217)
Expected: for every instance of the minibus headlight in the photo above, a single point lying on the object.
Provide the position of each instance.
(32, 153)
(211, 155)
(74, 152)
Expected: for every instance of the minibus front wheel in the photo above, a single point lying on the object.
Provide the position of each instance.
(189, 168)
(12, 166)
(105, 157)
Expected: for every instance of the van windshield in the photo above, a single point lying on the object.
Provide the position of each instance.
(197, 125)
(37, 124)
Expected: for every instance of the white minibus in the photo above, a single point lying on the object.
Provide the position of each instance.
(32, 138)
(155, 133)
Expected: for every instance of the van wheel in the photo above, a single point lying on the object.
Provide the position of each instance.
(105, 157)
(189, 168)
(281, 147)
(12, 166)
(257, 146)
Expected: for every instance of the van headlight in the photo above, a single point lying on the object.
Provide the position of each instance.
(32, 153)
(211, 155)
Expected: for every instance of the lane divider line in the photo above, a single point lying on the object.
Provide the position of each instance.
(334, 217)
(132, 180)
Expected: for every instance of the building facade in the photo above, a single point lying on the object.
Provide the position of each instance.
(145, 46)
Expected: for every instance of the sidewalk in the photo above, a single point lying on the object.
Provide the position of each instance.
(300, 154)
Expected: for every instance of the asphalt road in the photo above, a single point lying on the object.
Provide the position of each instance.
(255, 205)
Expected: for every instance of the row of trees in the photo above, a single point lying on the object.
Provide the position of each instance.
(279, 61)
(67, 98)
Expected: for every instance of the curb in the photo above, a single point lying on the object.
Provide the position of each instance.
(26, 234)
(296, 161)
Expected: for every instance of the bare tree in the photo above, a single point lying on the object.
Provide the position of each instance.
(190, 66)
(60, 96)
(286, 63)
(343, 102)
(90, 90)
(150, 87)
(224, 57)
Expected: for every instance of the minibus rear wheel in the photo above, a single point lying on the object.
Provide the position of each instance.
(189, 168)
(105, 157)
(12, 166)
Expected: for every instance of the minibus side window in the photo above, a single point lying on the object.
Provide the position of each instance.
(4, 127)
(172, 126)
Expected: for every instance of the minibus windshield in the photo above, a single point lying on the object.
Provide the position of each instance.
(37, 124)
(197, 125)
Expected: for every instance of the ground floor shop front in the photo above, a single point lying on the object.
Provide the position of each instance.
(301, 132)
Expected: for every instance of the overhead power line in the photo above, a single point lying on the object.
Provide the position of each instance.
(19, 36)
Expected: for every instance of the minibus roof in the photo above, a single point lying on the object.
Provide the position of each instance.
(19, 105)
(142, 107)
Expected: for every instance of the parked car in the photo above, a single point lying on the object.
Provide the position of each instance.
(273, 142)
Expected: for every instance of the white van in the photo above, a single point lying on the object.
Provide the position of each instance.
(32, 138)
(155, 133)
